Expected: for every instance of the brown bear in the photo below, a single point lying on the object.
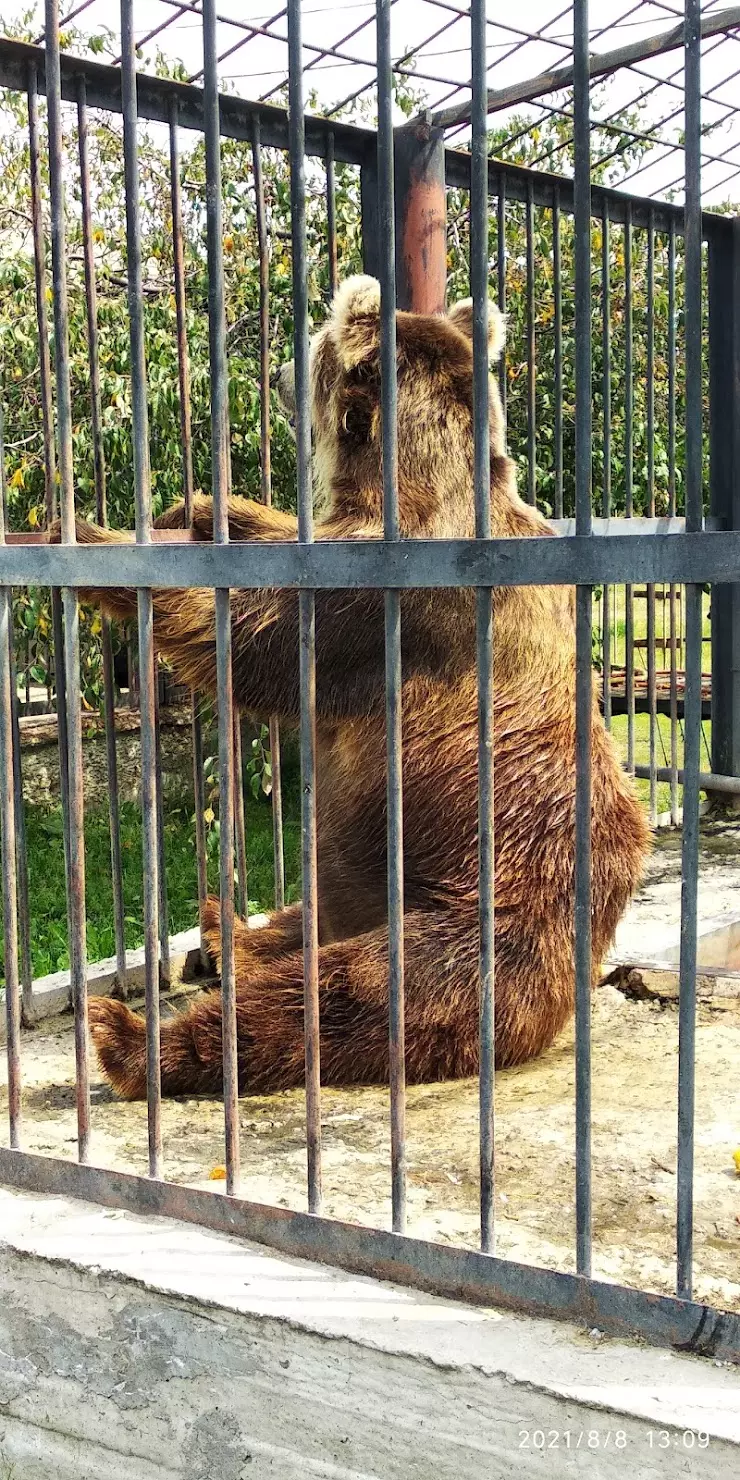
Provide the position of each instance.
(534, 675)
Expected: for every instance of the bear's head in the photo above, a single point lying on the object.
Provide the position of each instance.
(435, 411)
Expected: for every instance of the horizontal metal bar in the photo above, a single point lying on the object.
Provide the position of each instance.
(519, 181)
(352, 145)
(459, 1273)
(600, 65)
(373, 564)
(662, 524)
(708, 780)
(155, 97)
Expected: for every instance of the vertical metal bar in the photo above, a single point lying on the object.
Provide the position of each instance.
(101, 514)
(331, 215)
(7, 823)
(242, 877)
(650, 392)
(724, 440)
(531, 353)
(21, 845)
(629, 393)
(147, 670)
(264, 282)
(484, 618)
(692, 694)
(606, 502)
(186, 440)
(558, 296)
(163, 909)
(307, 609)
(584, 679)
(50, 478)
(220, 476)
(76, 844)
(672, 628)
(183, 357)
(266, 485)
(39, 262)
(393, 688)
(199, 799)
(501, 280)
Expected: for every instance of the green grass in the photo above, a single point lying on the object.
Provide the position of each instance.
(49, 948)
(662, 749)
(617, 608)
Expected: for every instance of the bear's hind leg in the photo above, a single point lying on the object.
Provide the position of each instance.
(441, 1017)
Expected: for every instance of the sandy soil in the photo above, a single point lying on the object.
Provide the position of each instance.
(634, 1128)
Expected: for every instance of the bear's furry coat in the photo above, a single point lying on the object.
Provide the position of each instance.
(534, 673)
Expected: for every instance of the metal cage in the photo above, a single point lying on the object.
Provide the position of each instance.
(678, 554)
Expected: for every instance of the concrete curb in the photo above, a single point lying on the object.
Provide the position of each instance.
(148, 1343)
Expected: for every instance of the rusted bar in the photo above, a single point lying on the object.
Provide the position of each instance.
(421, 217)
(147, 671)
(101, 514)
(7, 823)
(306, 610)
(76, 835)
(220, 483)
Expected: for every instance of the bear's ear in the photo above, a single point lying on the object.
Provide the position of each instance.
(355, 318)
(461, 315)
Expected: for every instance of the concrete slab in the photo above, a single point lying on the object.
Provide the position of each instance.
(137, 1345)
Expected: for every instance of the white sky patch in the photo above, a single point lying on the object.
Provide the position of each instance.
(431, 40)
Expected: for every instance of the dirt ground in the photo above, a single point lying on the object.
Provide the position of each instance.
(634, 1127)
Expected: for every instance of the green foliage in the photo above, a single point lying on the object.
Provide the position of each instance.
(49, 946)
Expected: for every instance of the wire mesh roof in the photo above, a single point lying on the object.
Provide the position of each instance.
(638, 106)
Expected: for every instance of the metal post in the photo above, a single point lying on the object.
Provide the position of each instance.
(724, 425)
(421, 217)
